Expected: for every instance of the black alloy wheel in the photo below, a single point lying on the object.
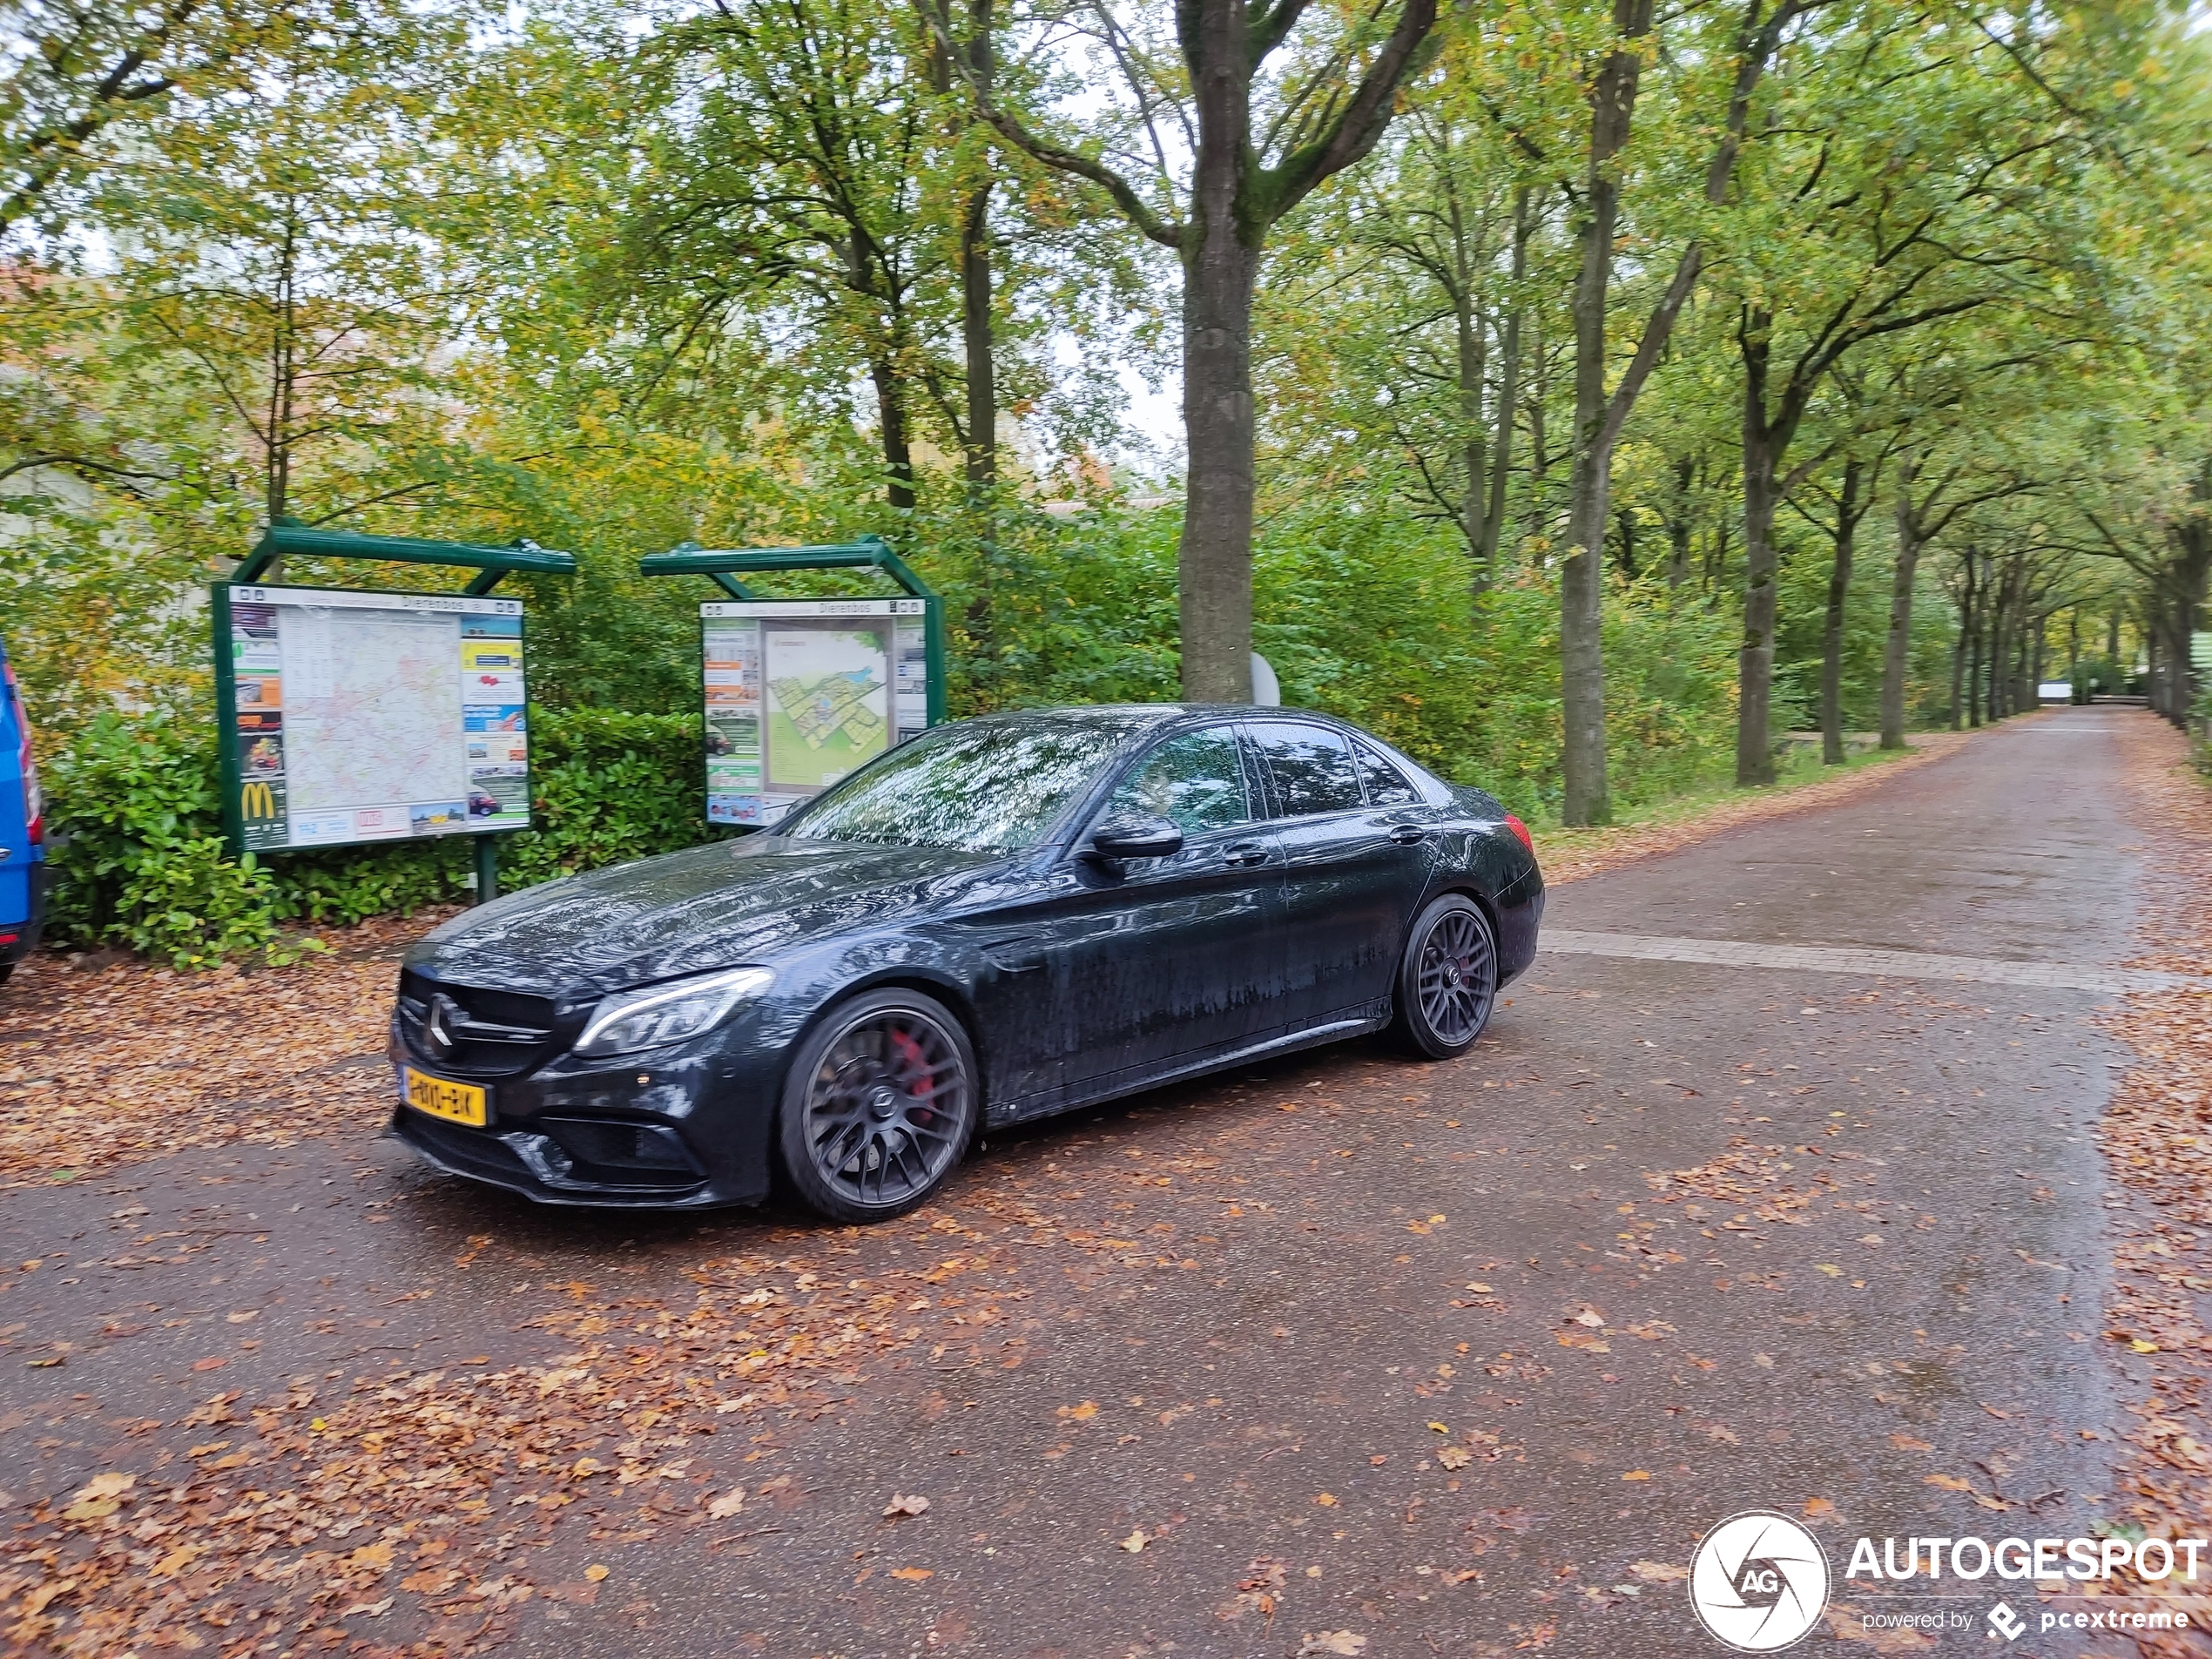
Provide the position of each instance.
(1447, 980)
(879, 1107)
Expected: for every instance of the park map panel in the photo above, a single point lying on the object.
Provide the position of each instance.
(369, 717)
(799, 693)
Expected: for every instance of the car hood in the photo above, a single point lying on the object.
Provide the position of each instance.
(689, 913)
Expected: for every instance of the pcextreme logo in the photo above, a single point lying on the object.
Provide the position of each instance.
(1759, 1581)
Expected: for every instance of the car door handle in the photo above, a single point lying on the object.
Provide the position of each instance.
(1408, 835)
(1244, 853)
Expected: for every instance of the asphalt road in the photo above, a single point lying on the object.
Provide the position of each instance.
(1354, 1350)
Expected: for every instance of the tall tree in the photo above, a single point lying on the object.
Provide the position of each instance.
(1263, 121)
(1600, 414)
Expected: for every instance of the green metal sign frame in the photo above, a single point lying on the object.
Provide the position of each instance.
(726, 566)
(289, 538)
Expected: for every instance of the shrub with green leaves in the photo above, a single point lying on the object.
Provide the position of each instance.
(137, 857)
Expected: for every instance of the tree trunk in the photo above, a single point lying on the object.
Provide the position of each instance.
(1959, 668)
(1585, 798)
(1474, 453)
(1214, 563)
(891, 418)
(976, 337)
(1494, 521)
(1755, 659)
(1832, 655)
(1678, 524)
(1897, 645)
(1998, 640)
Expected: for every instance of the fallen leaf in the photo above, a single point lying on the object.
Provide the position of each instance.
(1817, 1509)
(1439, 1428)
(1831, 1270)
(1583, 1313)
(913, 1575)
(214, 1362)
(1948, 1482)
(903, 1505)
(595, 1572)
(369, 1610)
(378, 1554)
(1082, 1413)
(1637, 1475)
(1327, 1500)
(1135, 1542)
(112, 1484)
(1455, 1457)
(1906, 1443)
(1657, 1572)
(1333, 1641)
(727, 1505)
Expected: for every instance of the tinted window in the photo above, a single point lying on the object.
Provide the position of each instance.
(978, 788)
(1312, 770)
(1386, 786)
(1196, 779)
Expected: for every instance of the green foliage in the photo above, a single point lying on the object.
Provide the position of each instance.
(138, 858)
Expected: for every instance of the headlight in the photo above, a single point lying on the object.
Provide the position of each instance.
(662, 1014)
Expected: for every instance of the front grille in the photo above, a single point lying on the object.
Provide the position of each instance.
(490, 1034)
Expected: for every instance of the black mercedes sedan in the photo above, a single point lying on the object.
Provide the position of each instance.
(999, 919)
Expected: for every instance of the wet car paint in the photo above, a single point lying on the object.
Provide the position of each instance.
(1077, 977)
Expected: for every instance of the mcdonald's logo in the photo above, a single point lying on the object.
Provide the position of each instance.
(257, 800)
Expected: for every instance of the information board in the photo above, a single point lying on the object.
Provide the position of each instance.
(351, 716)
(798, 693)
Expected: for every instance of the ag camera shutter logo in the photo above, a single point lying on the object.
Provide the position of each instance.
(1759, 1581)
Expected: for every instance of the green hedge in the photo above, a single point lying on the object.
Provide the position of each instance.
(137, 856)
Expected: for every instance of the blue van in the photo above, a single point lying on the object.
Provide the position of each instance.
(22, 832)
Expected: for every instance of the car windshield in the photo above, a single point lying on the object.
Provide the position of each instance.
(981, 788)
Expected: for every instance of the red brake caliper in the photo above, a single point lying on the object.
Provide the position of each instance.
(904, 1044)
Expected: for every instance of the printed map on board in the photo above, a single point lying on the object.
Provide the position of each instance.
(372, 708)
(828, 700)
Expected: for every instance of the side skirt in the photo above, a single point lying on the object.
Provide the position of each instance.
(1374, 1017)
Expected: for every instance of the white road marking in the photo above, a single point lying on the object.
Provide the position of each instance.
(1868, 963)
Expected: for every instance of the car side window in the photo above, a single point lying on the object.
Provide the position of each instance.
(1198, 780)
(1310, 766)
(1386, 785)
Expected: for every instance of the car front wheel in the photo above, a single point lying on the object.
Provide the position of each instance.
(879, 1107)
(1447, 979)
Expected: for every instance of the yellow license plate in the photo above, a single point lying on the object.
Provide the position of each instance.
(458, 1103)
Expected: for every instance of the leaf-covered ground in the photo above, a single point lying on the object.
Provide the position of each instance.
(519, 1422)
(2157, 1135)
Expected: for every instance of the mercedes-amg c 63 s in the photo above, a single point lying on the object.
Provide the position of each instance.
(1000, 919)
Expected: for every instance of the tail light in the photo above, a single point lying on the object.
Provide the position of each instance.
(1521, 833)
(33, 807)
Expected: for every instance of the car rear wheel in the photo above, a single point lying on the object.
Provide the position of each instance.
(1447, 979)
(879, 1107)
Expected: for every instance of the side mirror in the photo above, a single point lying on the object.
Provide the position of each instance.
(1136, 835)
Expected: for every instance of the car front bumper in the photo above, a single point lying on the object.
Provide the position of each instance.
(683, 1128)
